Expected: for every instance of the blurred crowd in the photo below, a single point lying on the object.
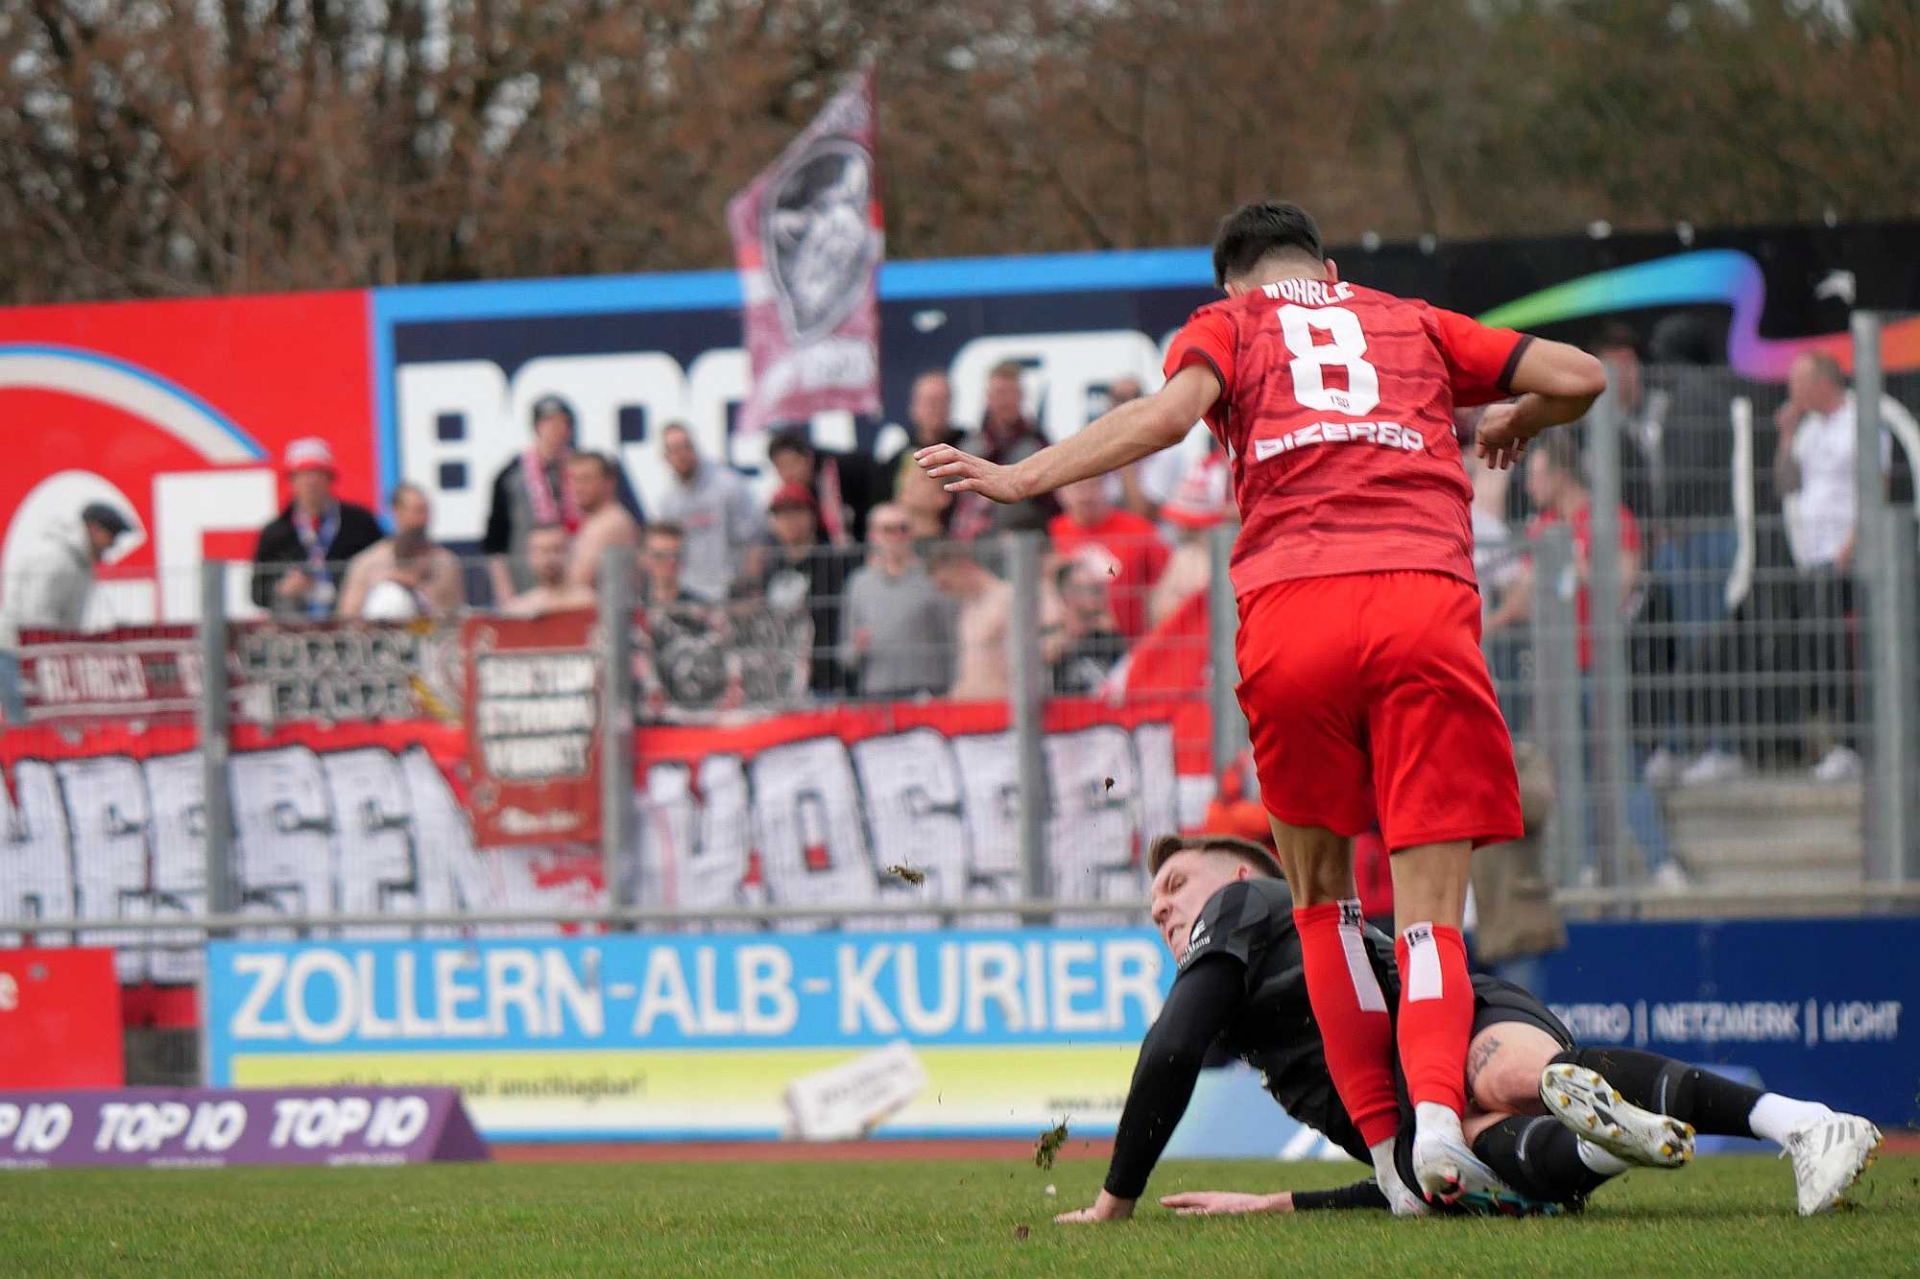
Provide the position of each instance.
(851, 574)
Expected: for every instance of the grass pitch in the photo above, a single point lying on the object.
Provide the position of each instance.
(1722, 1216)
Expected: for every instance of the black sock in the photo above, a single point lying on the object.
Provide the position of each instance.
(1538, 1156)
(1713, 1104)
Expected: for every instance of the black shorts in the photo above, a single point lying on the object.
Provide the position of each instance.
(1499, 1003)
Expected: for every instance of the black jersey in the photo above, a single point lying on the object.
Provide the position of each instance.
(1273, 1029)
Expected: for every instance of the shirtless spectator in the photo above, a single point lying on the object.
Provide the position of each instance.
(404, 576)
(604, 522)
(1136, 556)
(986, 607)
(551, 592)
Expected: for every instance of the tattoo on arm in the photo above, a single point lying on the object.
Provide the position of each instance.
(1478, 1058)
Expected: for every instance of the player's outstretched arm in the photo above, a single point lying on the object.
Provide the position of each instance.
(1135, 430)
(1203, 1000)
(1556, 383)
(1233, 1203)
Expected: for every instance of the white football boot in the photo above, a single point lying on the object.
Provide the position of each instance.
(1586, 1103)
(1829, 1154)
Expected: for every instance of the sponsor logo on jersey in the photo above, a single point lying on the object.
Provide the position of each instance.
(1197, 939)
(1390, 435)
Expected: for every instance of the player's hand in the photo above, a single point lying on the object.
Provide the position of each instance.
(292, 584)
(1225, 1203)
(965, 473)
(1105, 1208)
(1503, 436)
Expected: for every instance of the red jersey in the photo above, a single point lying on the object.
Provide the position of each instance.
(1139, 557)
(1337, 406)
(1581, 528)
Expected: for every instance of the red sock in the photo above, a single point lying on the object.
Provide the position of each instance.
(1352, 1012)
(1436, 1014)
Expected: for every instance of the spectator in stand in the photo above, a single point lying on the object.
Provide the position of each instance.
(605, 525)
(986, 608)
(927, 506)
(53, 592)
(551, 592)
(1085, 644)
(532, 491)
(802, 573)
(1560, 497)
(842, 484)
(1813, 468)
(404, 576)
(1516, 924)
(680, 659)
(301, 556)
(1130, 543)
(1005, 436)
(1202, 502)
(899, 628)
(1676, 476)
(663, 555)
(715, 510)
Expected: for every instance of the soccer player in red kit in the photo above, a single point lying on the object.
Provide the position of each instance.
(1359, 645)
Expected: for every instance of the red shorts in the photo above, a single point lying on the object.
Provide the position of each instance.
(1366, 696)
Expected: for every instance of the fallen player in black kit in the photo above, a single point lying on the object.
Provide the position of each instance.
(1551, 1121)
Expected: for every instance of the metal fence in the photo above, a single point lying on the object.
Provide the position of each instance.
(915, 732)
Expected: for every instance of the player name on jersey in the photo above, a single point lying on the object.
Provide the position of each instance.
(1311, 292)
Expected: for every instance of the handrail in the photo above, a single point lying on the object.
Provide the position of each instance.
(1865, 894)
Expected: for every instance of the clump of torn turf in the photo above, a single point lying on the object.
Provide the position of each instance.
(1048, 1146)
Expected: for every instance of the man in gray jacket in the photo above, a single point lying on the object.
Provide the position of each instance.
(718, 516)
(52, 594)
(899, 628)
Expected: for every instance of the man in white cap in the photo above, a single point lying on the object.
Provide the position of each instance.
(52, 594)
(302, 556)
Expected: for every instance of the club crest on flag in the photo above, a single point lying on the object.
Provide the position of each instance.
(816, 240)
(808, 240)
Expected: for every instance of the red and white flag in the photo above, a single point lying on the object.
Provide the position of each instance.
(808, 239)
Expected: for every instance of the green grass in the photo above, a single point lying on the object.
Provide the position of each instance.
(1722, 1216)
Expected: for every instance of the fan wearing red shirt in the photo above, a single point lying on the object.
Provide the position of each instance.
(1132, 544)
(1359, 655)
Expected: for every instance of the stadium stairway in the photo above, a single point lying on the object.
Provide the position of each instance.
(1758, 844)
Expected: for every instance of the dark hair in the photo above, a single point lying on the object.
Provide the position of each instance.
(1254, 855)
(1254, 231)
(664, 528)
(405, 486)
(792, 439)
(1617, 335)
(681, 427)
(552, 406)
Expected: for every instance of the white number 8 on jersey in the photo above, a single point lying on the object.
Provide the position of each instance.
(1297, 325)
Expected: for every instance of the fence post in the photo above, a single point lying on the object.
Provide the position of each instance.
(216, 742)
(1223, 624)
(1556, 700)
(617, 726)
(1027, 687)
(1883, 566)
(1610, 679)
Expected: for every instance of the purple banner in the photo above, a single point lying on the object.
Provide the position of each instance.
(218, 1127)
